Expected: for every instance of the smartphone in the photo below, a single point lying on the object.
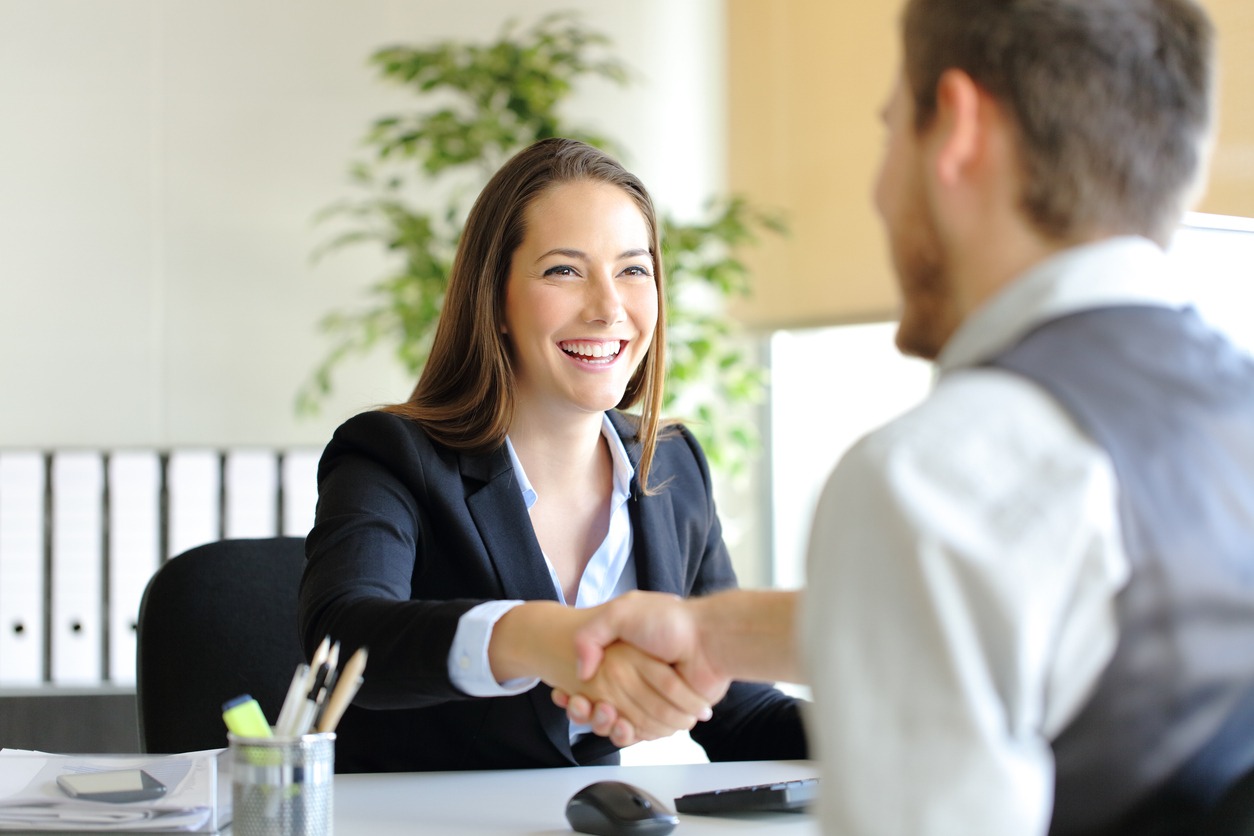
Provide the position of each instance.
(115, 785)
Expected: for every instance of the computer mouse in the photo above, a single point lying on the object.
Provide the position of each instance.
(614, 808)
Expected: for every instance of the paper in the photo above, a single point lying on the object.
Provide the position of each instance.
(198, 799)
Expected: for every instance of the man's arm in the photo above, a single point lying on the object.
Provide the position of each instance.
(737, 634)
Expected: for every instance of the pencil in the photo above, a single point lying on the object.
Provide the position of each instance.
(345, 689)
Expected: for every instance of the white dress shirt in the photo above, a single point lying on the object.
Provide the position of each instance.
(962, 571)
(610, 572)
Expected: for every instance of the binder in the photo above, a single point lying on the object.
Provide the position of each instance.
(252, 481)
(77, 577)
(22, 587)
(300, 490)
(134, 548)
(194, 483)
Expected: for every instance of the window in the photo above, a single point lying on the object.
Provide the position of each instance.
(830, 386)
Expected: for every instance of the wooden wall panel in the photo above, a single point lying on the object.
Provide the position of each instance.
(806, 80)
(1231, 186)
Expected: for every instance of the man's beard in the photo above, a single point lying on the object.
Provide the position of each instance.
(923, 277)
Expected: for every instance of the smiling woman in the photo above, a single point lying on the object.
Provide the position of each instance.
(581, 302)
(461, 534)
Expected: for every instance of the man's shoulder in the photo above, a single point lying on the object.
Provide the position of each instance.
(975, 419)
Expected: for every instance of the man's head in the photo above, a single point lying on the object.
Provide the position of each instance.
(1019, 127)
(1112, 101)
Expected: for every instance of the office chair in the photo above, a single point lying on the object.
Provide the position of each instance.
(1233, 815)
(215, 622)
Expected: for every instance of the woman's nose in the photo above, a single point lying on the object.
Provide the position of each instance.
(603, 302)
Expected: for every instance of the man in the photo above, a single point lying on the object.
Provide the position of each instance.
(1030, 601)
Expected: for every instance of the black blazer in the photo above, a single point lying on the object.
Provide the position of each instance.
(409, 535)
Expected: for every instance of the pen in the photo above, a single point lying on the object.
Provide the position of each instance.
(333, 662)
(320, 655)
(313, 700)
(291, 727)
(291, 703)
(345, 689)
(244, 718)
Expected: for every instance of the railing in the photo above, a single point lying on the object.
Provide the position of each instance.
(81, 532)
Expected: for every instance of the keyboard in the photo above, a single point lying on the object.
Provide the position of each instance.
(783, 796)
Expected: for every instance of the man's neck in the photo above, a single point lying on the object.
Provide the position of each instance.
(981, 270)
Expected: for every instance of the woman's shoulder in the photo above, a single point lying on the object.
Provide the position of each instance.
(677, 454)
(372, 423)
(381, 434)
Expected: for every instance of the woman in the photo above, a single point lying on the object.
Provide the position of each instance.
(452, 530)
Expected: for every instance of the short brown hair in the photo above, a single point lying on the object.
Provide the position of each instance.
(1112, 100)
(464, 398)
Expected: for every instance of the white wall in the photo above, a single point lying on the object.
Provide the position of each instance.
(160, 165)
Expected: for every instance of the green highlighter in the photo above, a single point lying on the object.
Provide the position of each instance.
(244, 718)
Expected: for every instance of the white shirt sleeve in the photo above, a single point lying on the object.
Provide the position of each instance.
(959, 607)
(468, 665)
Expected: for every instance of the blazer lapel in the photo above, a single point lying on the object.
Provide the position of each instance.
(496, 505)
(655, 533)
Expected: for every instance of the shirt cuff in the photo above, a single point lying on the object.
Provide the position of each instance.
(468, 665)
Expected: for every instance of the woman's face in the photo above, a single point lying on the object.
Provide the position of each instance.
(581, 299)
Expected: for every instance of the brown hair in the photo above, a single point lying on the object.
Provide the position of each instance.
(1112, 100)
(464, 398)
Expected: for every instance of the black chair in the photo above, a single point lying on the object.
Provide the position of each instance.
(215, 622)
(1233, 815)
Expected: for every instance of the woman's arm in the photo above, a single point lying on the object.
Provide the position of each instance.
(359, 583)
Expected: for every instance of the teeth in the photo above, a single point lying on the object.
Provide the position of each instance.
(595, 350)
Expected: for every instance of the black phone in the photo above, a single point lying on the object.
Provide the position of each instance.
(114, 785)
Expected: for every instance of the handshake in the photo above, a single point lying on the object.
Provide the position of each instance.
(648, 664)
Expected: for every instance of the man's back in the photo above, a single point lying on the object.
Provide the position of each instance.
(1172, 402)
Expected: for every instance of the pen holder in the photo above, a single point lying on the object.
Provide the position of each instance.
(282, 786)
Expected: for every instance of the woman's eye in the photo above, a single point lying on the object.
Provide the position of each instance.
(560, 270)
(638, 271)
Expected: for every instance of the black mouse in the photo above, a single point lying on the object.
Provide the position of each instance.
(613, 808)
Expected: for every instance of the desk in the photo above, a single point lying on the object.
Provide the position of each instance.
(533, 801)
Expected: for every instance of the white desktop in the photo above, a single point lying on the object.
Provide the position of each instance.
(533, 801)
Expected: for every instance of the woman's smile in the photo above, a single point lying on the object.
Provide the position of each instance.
(593, 352)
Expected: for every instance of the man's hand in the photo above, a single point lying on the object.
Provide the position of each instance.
(639, 697)
(662, 625)
(538, 639)
(665, 627)
(741, 633)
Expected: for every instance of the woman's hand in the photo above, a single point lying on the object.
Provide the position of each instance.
(601, 717)
(638, 697)
(649, 698)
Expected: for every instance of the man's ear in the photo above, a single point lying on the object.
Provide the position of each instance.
(958, 123)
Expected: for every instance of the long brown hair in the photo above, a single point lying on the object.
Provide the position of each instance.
(464, 398)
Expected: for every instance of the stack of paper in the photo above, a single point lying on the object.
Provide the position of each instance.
(198, 798)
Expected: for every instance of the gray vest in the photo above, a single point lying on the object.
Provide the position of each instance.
(1171, 722)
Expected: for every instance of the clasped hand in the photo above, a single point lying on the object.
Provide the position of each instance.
(641, 671)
